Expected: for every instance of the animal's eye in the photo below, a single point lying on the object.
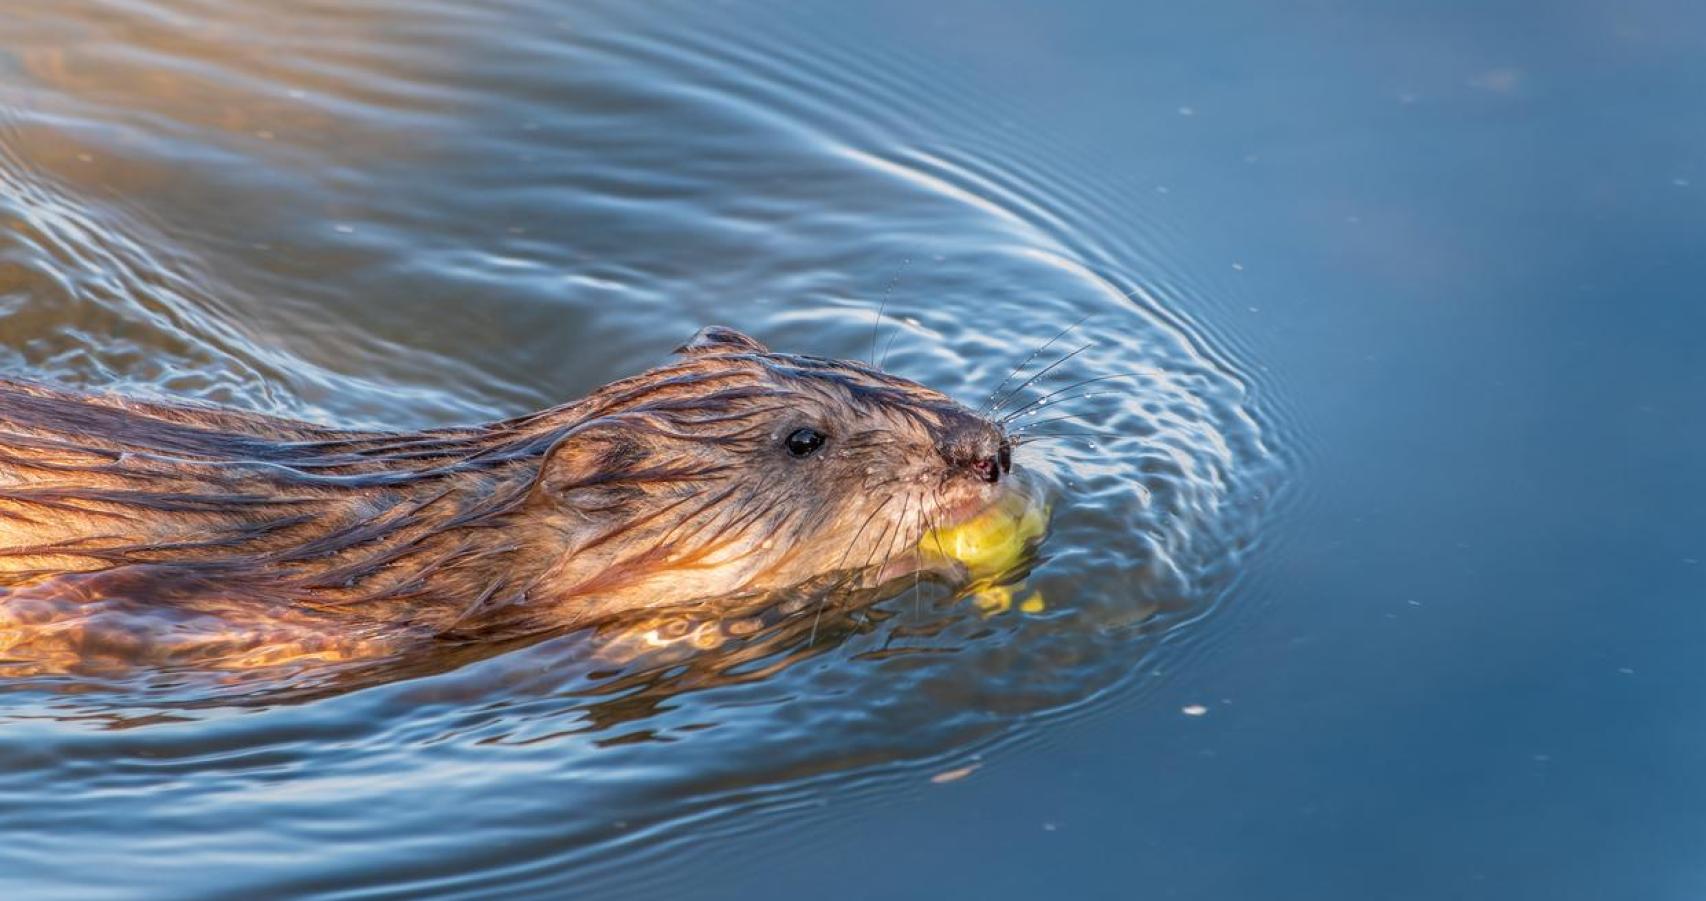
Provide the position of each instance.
(805, 442)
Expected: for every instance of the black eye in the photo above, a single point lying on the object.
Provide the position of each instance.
(805, 442)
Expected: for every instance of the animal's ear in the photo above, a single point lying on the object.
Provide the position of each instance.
(590, 469)
(718, 339)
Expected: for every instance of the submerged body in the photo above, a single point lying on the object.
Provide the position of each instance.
(146, 531)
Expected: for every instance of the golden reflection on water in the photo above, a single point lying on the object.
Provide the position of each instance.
(108, 93)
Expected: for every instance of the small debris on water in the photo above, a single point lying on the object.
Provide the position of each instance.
(1193, 710)
(343, 229)
(954, 775)
(1626, 670)
(1502, 80)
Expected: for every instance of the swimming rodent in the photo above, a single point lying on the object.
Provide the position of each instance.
(731, 470)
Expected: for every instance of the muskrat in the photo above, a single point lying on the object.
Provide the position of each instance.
(730, 471)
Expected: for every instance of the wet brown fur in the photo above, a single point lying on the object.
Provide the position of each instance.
(657, 488)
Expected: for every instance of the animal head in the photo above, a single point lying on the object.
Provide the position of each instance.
(737, 469)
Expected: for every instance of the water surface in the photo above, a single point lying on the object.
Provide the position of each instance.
(1379, 578)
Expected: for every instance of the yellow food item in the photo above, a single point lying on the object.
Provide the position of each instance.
(992, 541)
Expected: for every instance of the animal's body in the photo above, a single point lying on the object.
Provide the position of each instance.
(730, 471)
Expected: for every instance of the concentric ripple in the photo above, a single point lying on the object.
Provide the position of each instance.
(407, 214)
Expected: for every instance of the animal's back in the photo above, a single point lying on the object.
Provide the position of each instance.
(140, 530)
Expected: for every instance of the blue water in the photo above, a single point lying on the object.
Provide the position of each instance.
(1385, 581)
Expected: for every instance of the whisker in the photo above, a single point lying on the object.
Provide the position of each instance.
(882, 542)
(1053, 394)
(1045, 371)
(1036, 422)
(1059, 438)
(1055, 402)
(888, 542)
(936, 527)
(883, 364)
(987, 407)
(877, 327)
(917, 577)
(850, 545)
(1029, 438)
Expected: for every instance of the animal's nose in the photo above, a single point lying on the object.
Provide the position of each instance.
(990, 466)
(972, 445)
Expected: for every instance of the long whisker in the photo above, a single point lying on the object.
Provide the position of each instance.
(882, 543)
(900, 530)
(1029, 438)
(900, 524)
(850, 546)
(934, 523)
(1036, 422)
(877, 327)
(917, 577)
(936, 527)
(1055, 402)
(1040, 438)
(1053, 394)
(1045, 371)
(884, 362)
(989, 401)
(887, 543)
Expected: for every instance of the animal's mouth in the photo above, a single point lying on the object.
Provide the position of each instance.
(961, 512)
(982, 536)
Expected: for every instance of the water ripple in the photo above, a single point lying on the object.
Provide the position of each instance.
(442, 213)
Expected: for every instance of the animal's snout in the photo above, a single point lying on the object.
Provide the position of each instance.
(982, 451)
